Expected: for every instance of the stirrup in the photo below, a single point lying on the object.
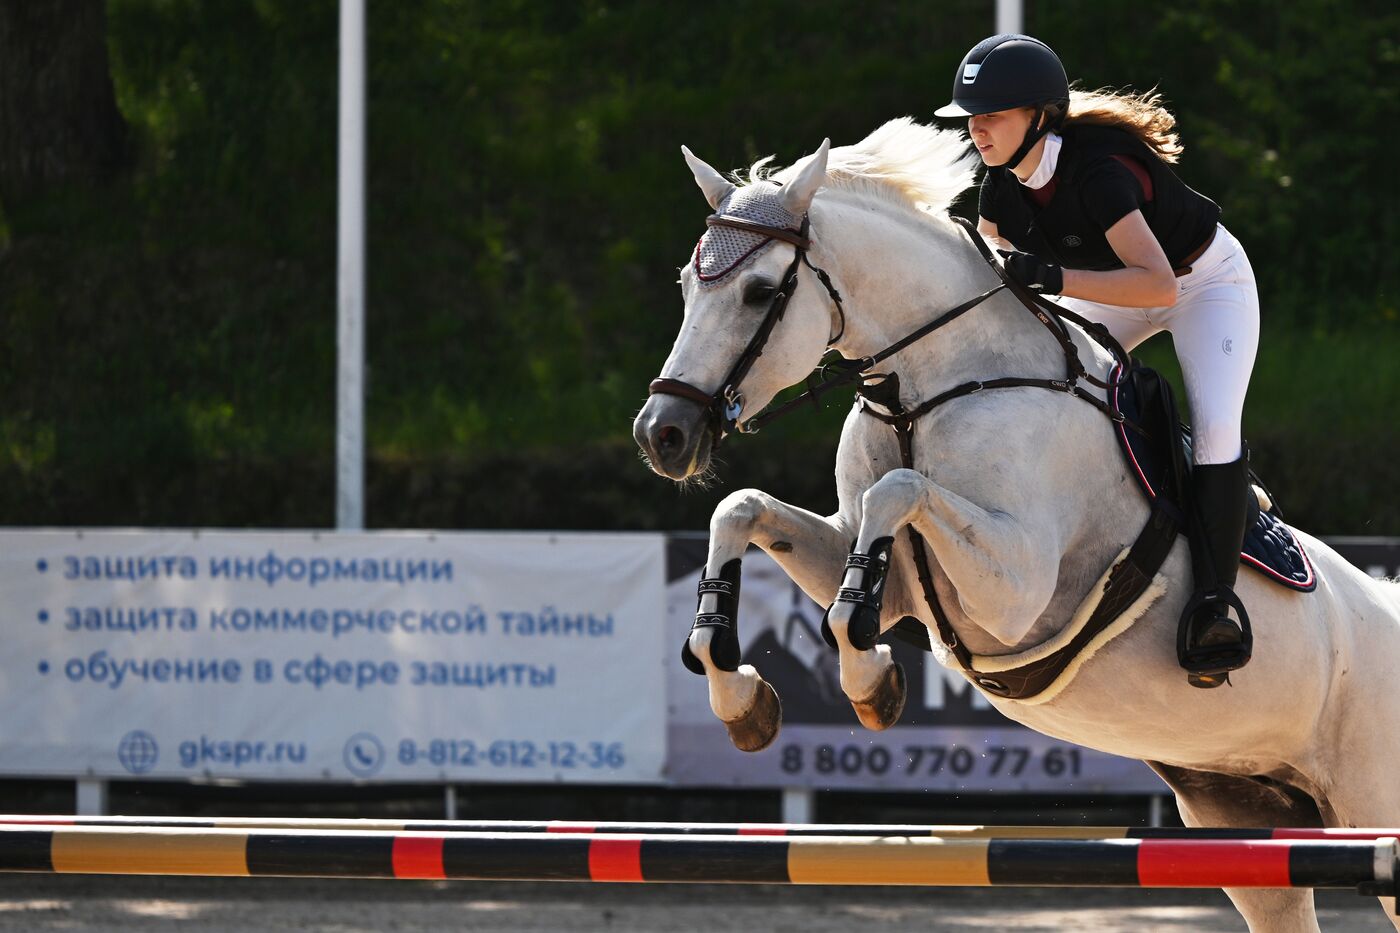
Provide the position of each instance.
(1209, 666)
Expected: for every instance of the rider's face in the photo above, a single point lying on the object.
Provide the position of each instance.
(998, 135)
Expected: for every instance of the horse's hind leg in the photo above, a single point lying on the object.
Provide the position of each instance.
(1207, 799)
(1363, 789)
(810, 550)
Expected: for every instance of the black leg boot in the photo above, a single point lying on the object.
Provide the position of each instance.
(1210, 644)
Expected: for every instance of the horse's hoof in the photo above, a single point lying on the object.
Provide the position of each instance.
(755, 730)
(885, 704)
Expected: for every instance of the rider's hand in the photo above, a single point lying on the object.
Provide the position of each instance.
(1034, 273)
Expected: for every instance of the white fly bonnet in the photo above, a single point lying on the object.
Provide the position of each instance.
(722, 250)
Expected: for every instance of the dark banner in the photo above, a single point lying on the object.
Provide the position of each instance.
(1379, 557)
(949, 737)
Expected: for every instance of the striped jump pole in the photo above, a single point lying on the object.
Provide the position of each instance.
(706, 829)
(1367, 865)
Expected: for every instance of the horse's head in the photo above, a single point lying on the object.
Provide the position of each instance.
(747, 333)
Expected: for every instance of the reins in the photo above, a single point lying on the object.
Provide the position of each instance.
(726, 404)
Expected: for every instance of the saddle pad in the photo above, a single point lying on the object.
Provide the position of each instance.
(1269, 545)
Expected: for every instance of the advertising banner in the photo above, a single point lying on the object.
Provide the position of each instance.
(948, 739)
(332, 656)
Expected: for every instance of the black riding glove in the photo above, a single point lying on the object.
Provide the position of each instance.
(1033, 272)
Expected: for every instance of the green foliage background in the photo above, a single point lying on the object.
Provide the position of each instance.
(167, 354)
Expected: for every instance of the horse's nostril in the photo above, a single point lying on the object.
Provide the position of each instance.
(669, 439)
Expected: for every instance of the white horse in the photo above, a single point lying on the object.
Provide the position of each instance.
(1023, 501)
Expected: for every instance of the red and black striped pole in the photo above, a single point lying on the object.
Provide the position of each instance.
(867, 860)
(708, 829)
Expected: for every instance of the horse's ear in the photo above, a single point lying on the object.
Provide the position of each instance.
(798, 193)
(715, 185)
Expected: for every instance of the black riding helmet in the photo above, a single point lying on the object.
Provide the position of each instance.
(1009, 71)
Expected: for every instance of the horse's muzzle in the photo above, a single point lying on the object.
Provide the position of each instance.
(675, 435)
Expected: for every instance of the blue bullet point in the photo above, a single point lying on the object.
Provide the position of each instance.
(43, 615)
(43, 667)
(43, 565)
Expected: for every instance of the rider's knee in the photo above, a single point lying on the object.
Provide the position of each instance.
(1216, 440)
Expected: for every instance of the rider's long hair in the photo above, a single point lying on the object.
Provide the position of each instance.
(1141, 114)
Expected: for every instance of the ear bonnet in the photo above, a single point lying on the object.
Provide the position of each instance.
(724, 250)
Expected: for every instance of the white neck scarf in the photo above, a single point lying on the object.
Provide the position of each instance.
(1049, 158)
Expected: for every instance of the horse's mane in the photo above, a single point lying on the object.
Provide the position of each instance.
(903, 162)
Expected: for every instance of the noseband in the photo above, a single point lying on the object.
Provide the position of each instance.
(724, 407)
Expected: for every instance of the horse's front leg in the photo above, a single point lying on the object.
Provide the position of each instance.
(870, 678)
(809, 548)
(1003, 572)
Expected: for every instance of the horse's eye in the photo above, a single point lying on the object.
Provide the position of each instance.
(758, 293)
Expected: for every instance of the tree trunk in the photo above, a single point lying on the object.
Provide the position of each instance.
(58, 113)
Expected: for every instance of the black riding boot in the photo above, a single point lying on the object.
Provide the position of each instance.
(1209, 644)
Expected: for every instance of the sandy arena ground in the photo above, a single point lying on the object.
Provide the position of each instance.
(218, 905)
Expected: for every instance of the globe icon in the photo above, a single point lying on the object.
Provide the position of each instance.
(137, 751)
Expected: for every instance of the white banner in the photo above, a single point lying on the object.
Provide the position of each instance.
(332, 656)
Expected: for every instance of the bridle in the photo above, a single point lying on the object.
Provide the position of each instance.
(724, 407)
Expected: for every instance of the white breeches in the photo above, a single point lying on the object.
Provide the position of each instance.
(1215, 329)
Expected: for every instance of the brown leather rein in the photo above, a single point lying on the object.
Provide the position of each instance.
(725, 405)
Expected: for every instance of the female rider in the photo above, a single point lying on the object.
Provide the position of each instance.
(1079, 193)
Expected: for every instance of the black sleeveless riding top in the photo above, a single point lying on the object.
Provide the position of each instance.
(1103, 174)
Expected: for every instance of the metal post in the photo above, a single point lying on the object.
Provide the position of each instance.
(1010, 16)
(91, 797)
(350, 273)
(799, 805)
(1154, 811)
(449, 802)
